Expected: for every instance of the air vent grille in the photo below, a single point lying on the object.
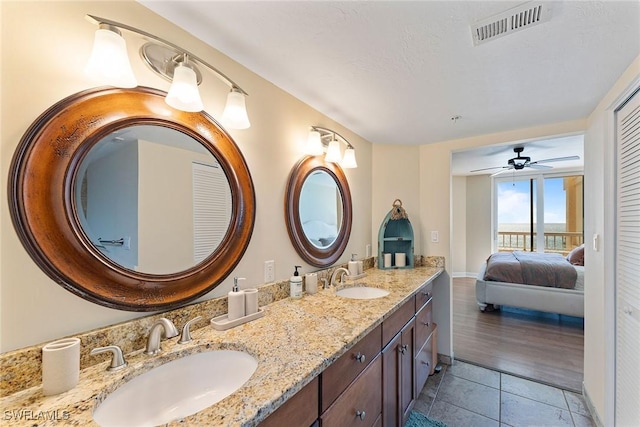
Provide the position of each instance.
(510, 21)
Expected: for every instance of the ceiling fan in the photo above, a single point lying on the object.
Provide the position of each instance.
(520, 162)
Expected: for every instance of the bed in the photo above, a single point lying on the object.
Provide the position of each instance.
(544, 282)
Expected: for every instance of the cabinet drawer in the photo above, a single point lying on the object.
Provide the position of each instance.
(361, 403)
(424, 324)
(300, 410)
(344, 370)
(424, 364)
(424, 295)
(392, 325)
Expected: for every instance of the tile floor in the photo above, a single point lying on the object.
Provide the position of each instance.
(465, 395)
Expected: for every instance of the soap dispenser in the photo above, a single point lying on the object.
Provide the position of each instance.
(235, 301)
(353, 266)
(295, 284)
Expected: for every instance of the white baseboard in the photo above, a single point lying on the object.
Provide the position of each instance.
(464, 274)
(591, 408)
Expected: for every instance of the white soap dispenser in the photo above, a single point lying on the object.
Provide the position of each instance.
(295, 284)
(235, 301)
(353, 266)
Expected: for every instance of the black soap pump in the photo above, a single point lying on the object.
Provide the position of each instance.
(295, 284)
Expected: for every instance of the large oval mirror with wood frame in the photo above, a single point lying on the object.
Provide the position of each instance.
(93, 189)
(318, 210)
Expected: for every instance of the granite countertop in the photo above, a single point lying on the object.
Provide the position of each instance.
(293, 343)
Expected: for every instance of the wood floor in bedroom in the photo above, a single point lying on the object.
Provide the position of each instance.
(545, 347)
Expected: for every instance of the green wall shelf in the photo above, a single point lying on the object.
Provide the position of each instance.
(395, 235)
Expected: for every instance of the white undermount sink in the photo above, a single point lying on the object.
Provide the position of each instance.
(362, 292)
(176, 389)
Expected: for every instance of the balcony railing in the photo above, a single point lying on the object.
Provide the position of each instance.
(560, 242)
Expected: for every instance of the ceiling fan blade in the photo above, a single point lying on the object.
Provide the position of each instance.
(556, 159)
(486, 169)
(535, 166)
(499, 172)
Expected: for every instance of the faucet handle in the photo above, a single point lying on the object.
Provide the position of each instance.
(117, 359)
(185, 337)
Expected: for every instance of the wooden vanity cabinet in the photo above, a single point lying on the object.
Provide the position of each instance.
(375, 383)
(300, 410)
(360, 405)
(425, 341)
(337, 377)
(398, 378)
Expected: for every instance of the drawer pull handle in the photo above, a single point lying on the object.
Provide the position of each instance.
(427, 324)
(360, 414)
(403, 348)
(426, 294)
(360, 357)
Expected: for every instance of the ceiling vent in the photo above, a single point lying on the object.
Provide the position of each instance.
(519, 18)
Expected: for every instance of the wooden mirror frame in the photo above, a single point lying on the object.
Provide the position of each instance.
(43, 207)
(318, 257)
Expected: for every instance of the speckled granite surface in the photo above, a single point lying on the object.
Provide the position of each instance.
(293, 343)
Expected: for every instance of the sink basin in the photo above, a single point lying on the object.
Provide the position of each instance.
(362, 292)
(176, 389)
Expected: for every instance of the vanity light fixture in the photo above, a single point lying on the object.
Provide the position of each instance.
(109, 63)
(320, 137)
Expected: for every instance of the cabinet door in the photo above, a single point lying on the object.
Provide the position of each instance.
(407, 371)
(391, 382)
(398, 377)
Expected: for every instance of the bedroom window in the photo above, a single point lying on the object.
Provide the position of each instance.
(542, 213)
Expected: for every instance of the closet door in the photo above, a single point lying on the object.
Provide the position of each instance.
(627, 412)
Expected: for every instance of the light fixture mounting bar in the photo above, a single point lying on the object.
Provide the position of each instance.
(324, 132)
(98, 21)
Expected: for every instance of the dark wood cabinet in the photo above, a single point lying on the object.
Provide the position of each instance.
(361, 403)
(343, 371)
(300, 410)
(398, 378)
(407, 371)
(376, 382)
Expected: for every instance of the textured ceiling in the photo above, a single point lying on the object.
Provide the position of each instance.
(396, 71)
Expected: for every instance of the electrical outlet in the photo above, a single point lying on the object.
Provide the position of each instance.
(269, 271)
(368, 250)
(434, 237)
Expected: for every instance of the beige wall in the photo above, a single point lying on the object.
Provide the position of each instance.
(45, 46)
(459, 226)
(478, 222)
(395, 176)
(599, 272)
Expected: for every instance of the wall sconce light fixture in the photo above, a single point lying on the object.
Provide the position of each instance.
(109, 63)
(319, 137)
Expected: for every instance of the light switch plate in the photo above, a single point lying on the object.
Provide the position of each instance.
(434, 237)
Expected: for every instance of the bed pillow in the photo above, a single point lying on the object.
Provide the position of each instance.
(576, 256)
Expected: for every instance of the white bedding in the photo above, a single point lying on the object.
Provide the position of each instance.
(548, 299)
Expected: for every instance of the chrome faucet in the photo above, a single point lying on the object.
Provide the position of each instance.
(117, 359)
(338, 272)
(160, 326)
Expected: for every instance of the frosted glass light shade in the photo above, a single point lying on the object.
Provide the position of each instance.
(333, 152)
(314, 144)
(183, 93)
(234, 115)
(109, 62)
(349, 160)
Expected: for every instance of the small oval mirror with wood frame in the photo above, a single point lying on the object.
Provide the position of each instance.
(93, 189)
(318, 210)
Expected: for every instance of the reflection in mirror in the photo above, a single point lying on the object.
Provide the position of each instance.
(152, 199)
(320, 209)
